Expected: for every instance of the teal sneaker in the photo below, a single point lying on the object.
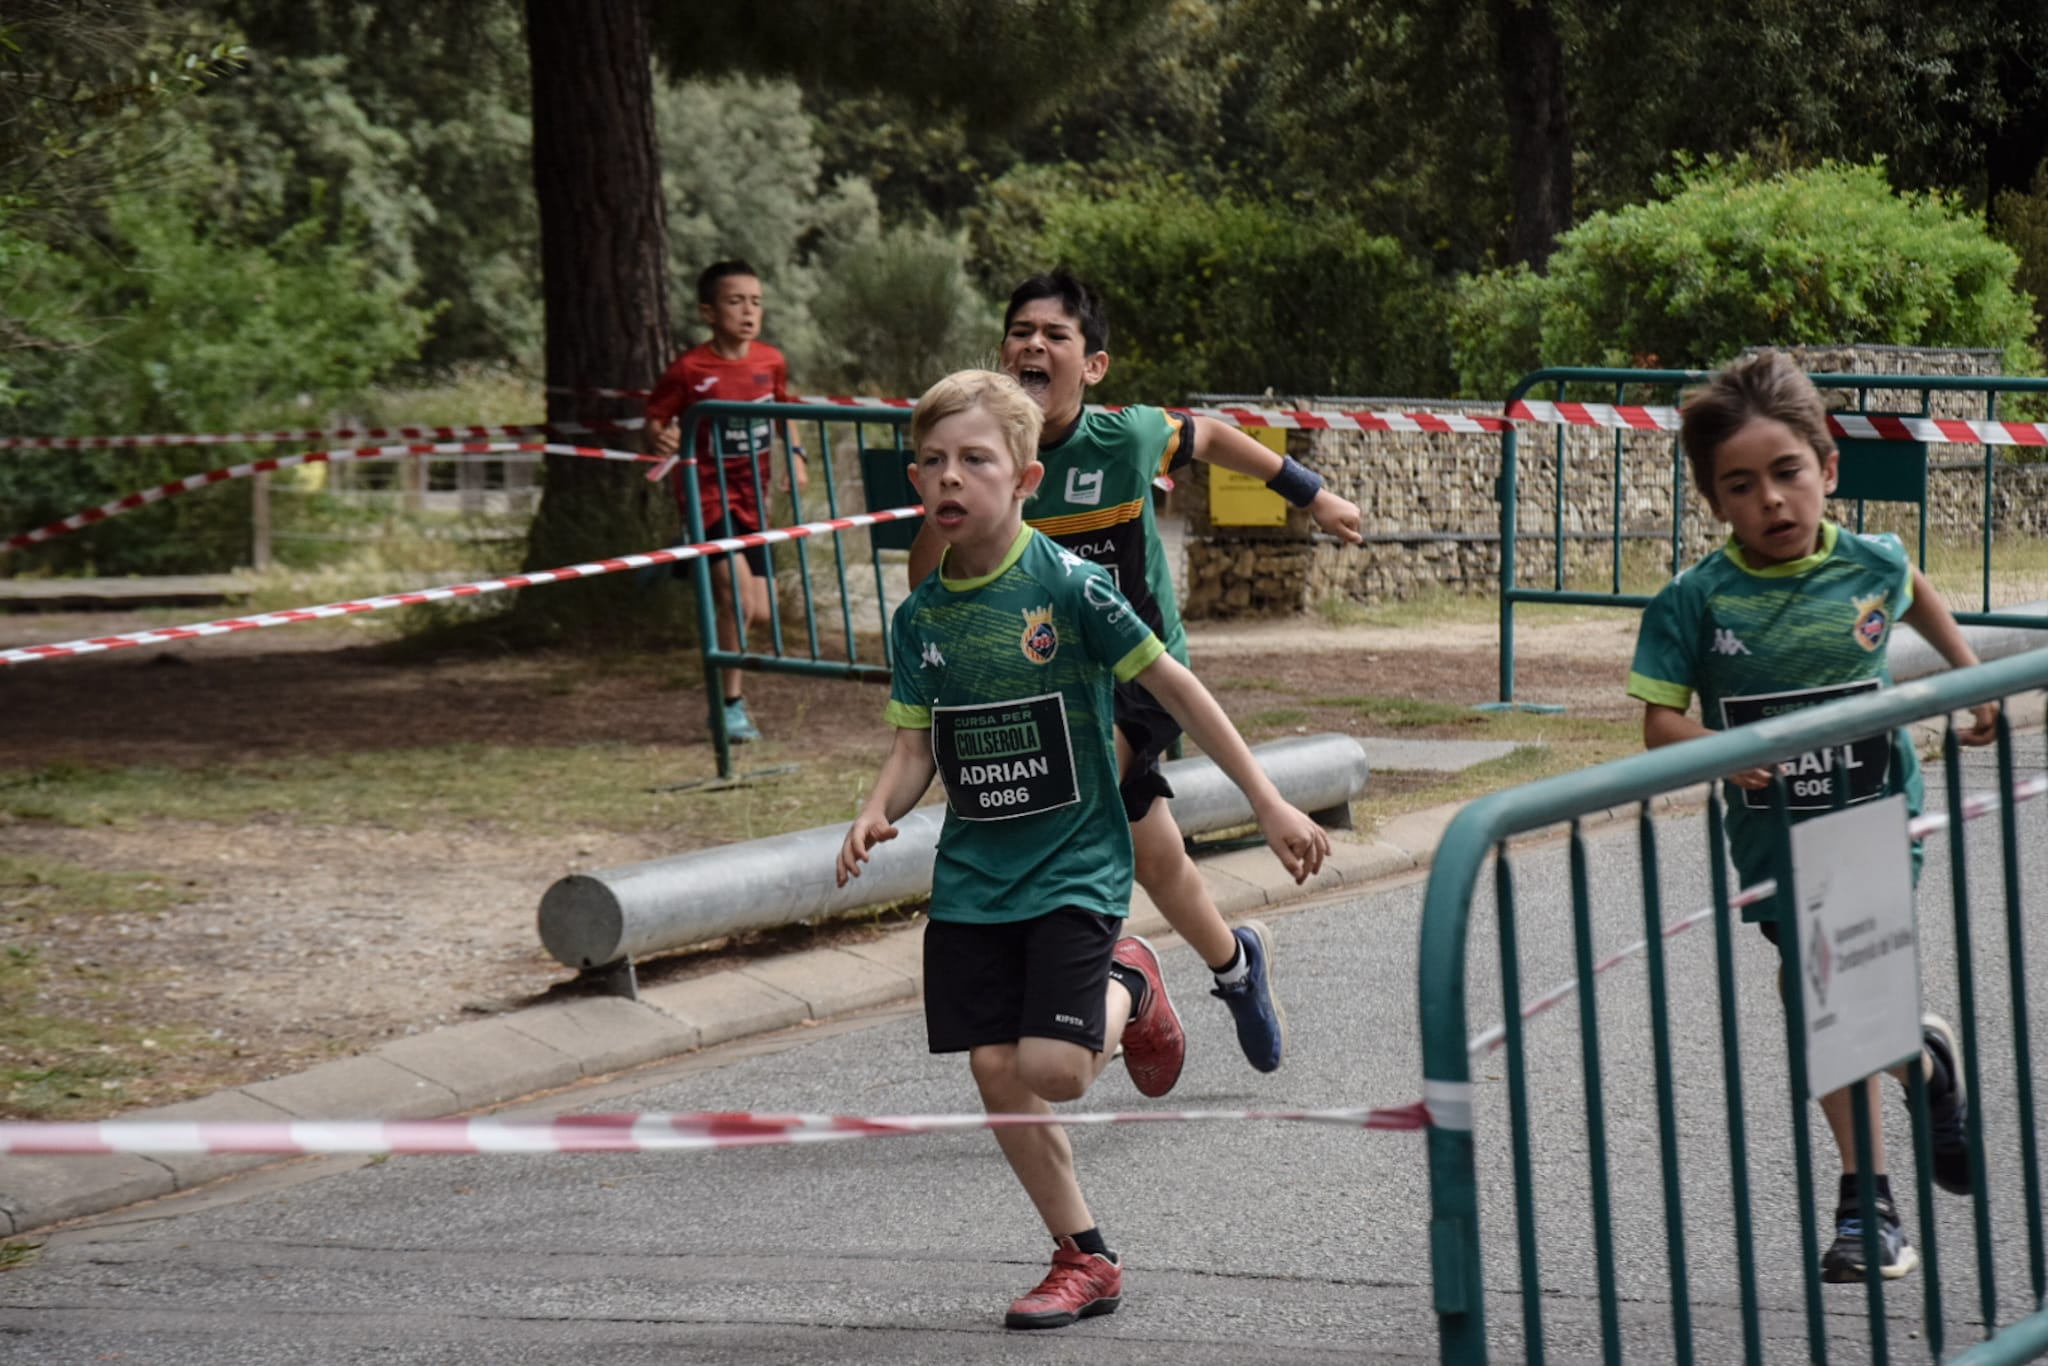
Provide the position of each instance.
(740, 727)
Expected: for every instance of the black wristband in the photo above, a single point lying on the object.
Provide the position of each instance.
(1296, 482)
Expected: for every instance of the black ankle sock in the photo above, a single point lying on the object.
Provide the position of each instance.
(1133, 982)
(1845, 1198)
(1091, 1241)
(1236, 957)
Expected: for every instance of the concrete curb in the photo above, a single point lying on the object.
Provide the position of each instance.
(490, 1062)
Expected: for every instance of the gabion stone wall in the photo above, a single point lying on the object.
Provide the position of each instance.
(1431, 519)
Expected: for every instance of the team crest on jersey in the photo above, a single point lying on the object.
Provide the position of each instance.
(1041, 642)
(1871, 621)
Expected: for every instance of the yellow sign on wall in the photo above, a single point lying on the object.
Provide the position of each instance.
(1240, 500)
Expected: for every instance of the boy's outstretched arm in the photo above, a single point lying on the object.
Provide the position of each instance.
(1297, 841)
(905, 775)
(1664, 725)
(1929, 615)
(1222, 444)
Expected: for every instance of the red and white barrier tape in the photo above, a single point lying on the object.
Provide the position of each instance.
(29, 654)
(1975, 805)
(598, 1133)
(474, 433)
(1625, 417)
(1857, 426)
(599, 393)
(144, 497)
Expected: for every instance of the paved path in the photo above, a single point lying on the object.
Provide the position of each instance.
(1246, 1242)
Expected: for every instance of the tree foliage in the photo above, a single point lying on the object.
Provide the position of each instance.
(1733, 258)
(172, 328)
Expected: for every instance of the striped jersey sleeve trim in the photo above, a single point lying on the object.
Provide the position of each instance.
(1139, 659)
(1656, 690)
(1090, 521)
(906, 717)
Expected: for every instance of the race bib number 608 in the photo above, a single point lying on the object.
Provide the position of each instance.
(1001, 760)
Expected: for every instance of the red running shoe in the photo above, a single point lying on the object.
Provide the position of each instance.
(1079, 1286)
(1155, 1046)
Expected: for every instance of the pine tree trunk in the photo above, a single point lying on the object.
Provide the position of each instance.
(1539, 127)
(597, 180)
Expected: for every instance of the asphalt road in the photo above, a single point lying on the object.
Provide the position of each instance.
(1244, 1241)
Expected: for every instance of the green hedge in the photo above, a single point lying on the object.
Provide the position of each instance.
(1225, 294)
(1732, 258)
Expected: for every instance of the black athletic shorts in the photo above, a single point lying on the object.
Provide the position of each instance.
(738, 523)
(1151, 730)
(1042, 978)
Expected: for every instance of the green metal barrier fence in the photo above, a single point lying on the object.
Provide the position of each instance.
(1694, 1234)
(1883, 471)
(885, 486)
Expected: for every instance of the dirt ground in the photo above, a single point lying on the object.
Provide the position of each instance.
(295, 941)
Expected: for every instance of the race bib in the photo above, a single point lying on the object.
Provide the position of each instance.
(1002, 760)
(1811, 779)
(741, 437)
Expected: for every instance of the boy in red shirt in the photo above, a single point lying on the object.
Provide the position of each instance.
(732, 367)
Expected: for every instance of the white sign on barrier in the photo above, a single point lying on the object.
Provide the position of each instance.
(1859, 951)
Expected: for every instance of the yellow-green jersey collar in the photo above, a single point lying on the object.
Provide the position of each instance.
(1828, 532)
(1024, 535)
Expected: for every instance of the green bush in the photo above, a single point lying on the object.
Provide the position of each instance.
(1221, 294)
(902, 312)
(1732, 258)
(2023, 226)
(176, 330)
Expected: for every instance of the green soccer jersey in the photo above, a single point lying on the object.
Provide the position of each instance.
(1012, 674)
(1755, 643)
(1096, 500)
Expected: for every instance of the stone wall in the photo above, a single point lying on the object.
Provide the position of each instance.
(1431, 518)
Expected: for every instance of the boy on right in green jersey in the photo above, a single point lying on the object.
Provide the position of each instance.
(1795, 611)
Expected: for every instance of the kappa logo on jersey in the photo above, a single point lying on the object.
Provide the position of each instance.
(1103, 598)
(707, 384)
(1084, 486)
(1726, 642)
(1871, 621)
(1069, 561)
(932, 658)
(1041, 642)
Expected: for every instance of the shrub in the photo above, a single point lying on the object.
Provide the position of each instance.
(1733, 258)
(902, 312)
(176, 330)
(1223, 294)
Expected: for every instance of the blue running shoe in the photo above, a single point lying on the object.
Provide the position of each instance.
(1843, 1261)
(739, 727)
(1261, 1024)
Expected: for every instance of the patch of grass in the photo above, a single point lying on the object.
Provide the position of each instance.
(56, 1065)
(1248, 685)
(1551, 744)
(1431, 606)
(38, 888)
(1276, 718)
(1405, 713)
(536, 790)
(15, 1255)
